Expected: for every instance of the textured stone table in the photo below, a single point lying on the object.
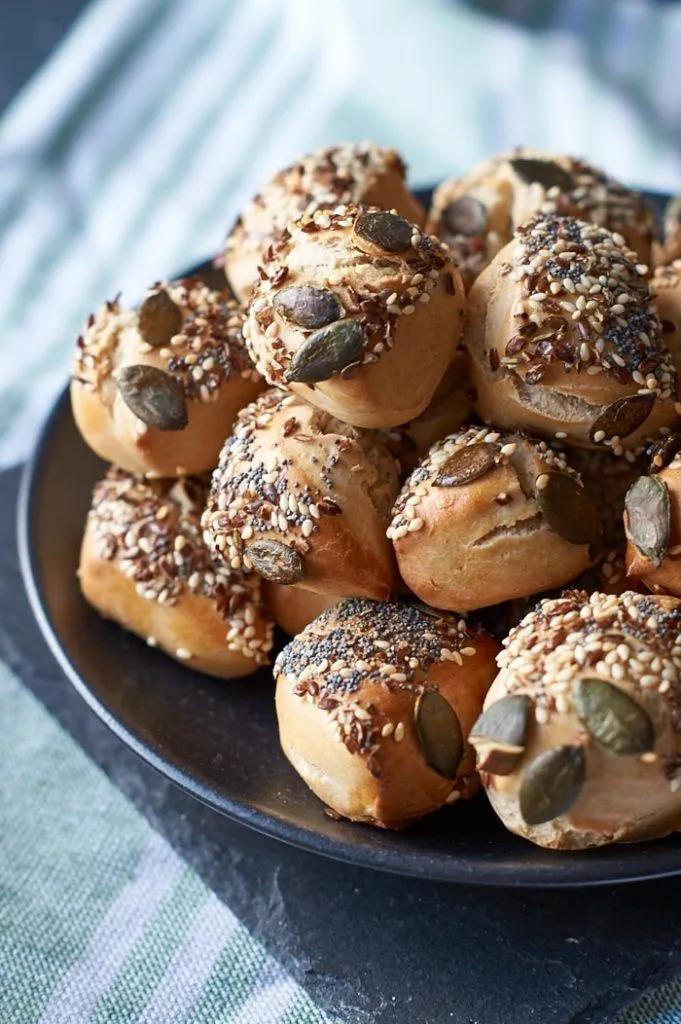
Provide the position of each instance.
(371, 947)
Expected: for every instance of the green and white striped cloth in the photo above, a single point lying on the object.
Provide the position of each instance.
(125, 160)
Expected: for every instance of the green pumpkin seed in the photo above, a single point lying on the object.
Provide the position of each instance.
(465, 216)
(500, 732)
(544, 172)
(568, 509)
(551, 784)
(159, 319)
(276, 561)
(466, 464)
(439, 733)
(326, 352)
(307, 306)
(612, 717)
(647, 517)
(155, 397)
(623, 416)
(388, 231)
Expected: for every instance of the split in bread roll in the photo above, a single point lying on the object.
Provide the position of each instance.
(156, 390)
(477, 214)
(565, 340)
(579, 744)
(293, 608)
(652, 520)
(346, 173)
(143, 564)
(359, 313)
(301, 498)
(375, 702)
(487, 517)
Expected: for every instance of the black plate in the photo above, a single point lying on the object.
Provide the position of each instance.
(218, 740)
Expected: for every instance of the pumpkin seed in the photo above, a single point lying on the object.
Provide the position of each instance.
(154, 396)
(308, 306)
(568, 509)
(465, 216)
(623, 416)
(326, 352)
(388, 231)
(663, 451)
(544, 172)
(499, 734)
(159, 319)
(612, 717)
(276, 561)
(551, 784)
(646, 517)
(439, 733)
(468, 463)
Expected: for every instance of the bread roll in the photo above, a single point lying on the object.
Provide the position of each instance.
(292, 608)
(143, 564)
(303, 499)
(487, 517)
(375, 701)
(347, 173)
(477, 214)
(652, 520)
(580, 744)
(357, 312)
(669, 249)
(565, 341)
(156, 390)
(666, 286)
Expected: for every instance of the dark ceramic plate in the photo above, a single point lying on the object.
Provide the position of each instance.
(218, 740)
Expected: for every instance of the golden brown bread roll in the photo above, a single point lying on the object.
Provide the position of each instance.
(347, 173)
(477, 214)
(652, 521)
(301, 498)
(359, 313)
(666, 286)
(580, 741)
(156, 390)
(669, 249)
(375, 702)
(143, 563)
(487, 517)
(292, 608)
(565, 341)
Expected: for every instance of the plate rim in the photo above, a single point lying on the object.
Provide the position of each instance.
(409, 864)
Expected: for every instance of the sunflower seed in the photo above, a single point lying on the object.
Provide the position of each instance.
(159, 319)
(465, 216)
(154, 396)
(308, 306)
(646, 517)
(499, 734)
(623, 416)
(467, 464)
(543, 172)
(612, 717)
(439, 733)
(388, 231)
(276, 561)
(551, 784)
(326, 352)
(567, 508)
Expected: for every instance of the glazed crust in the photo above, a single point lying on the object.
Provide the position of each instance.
(406, 307)
(143, 564)
(320, 491)
(551, 359)
(630, 644)
(208, 361)
(348, 173)
(477, 214)
(484, 538)
(293, 608)
(349, 729)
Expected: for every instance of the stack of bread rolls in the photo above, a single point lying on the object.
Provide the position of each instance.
(397, 435)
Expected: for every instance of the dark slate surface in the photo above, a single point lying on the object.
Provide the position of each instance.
(374, 948)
